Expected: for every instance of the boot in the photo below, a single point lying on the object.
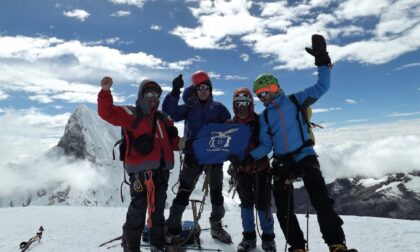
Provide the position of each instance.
(217, 231)
(268, 243)
(125, 244)
(340, 248)
(249, 241)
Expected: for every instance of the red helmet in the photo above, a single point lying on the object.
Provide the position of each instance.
(200, 77)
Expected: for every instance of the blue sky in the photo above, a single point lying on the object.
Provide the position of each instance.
(54, 53)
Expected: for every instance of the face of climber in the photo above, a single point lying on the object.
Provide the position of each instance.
(152, 98)
(242, 108)
(203, 92)
(266, 97)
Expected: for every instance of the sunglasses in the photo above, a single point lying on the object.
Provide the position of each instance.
(152, 95)
(203, 87)
(241, 103)
(262, 95)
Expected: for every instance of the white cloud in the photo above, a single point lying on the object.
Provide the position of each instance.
(322, 110)
(54, 69)
(156, 27)
(3, 95)
(356, 120)
(282, 30)
(416, 64)
(213, 75)
(121, 13)
(81, 15)
(217, 92)
(369, 150)
(138, 3)
(351, 101)
(244, 57)
(235, 77)
(403, 114)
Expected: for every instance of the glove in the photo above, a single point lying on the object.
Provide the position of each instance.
(172, 132)
(144, 144)
(319, 51)
(234, 159)
(177, 84)
(181, 144)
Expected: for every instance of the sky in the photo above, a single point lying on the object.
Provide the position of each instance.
(53, 54)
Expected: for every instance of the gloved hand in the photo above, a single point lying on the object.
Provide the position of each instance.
(319, 51)
(106, 83)
(181, 143)
(144, 144)
(234, 159)
(172, 132)
(177, 84)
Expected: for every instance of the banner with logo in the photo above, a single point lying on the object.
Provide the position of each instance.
(215, 142)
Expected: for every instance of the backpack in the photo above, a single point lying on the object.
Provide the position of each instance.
(306, 115)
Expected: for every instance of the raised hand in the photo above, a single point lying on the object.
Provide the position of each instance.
(106, 83)
(319, 51)
(177, 84)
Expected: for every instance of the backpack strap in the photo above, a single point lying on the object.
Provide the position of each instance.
(265, 114)
(301, 111)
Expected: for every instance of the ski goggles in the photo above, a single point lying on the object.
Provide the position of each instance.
(203, 87)
(151, 95)
(262, 95)
(241, 103)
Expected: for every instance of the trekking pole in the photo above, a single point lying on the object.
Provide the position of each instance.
(37, 237)
(115, 239)
(290, 185)
(307, 223)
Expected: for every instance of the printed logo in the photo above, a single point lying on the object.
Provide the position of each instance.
(220, 140)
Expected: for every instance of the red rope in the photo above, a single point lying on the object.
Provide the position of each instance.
(150, 197)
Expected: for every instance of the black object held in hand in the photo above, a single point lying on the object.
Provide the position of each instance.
(177, 84)
(319, 50)
(144, 144)
(234, 159)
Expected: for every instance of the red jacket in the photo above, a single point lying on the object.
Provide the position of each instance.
(134, 160)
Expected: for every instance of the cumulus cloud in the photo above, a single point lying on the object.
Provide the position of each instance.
(81, 15)
(244, 57)
(3, 95)
(351, 101)
(281, 30)
(156, 27)
(218, 92)
(54, 69)
(121, 13)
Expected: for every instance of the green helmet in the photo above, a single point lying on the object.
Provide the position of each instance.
(264, 80)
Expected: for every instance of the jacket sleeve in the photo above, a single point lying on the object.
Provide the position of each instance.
(115, 115)
(171, 107)
(174, 141)
(224, 114)
(311, 94)
(266, 143)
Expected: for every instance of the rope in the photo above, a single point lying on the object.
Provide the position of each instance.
(181, 167)
(150, 197)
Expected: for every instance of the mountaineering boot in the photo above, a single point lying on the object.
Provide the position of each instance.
(249, 241)
(217, 231)
(268, 244)
(340, 248)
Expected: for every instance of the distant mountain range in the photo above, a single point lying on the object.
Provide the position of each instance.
(88, 137)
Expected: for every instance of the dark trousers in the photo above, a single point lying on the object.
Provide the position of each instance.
(136, 214)
(253, 189)
(188, 179)
(329, 221)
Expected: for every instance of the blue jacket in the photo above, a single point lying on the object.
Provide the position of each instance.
(195, 113)
(284, 126)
